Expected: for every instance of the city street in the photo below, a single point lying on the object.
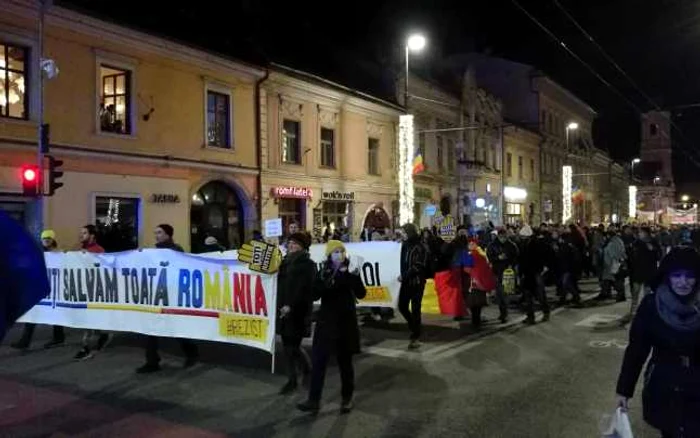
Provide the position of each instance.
(553, 379)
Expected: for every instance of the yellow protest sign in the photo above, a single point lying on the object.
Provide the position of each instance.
(260, 256)
(446, 227)
(243, 327)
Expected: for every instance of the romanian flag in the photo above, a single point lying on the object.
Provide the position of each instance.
(418, 166)
(577, 195)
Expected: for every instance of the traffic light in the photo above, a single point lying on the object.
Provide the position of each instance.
(55, 173)
(31, 180)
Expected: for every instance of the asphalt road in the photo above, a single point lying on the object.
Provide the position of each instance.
(554, 379)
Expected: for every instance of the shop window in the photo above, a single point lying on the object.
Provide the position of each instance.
(117, 222)
(335, 215)
(216, 211)
(509, 164)
(377, 219)
(218, 120)
(373, 156)
(13, 82)
(513, 209)
(291, 145)
(440, 153)
(115, 102)
(327, 147)
(291, 210)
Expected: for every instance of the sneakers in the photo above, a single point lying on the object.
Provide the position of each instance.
(309, 406)
(347, 406)
(148, 369)
(288, 388)
(54, 343)
(103, 341)
(83, 354)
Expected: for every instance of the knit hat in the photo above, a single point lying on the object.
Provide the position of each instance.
(48, 234)
(167, 229)
(334, 245)
(301, 238)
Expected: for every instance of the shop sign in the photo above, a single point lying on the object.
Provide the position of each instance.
(422, 193)
(165, 198)
(273, 227)
(292, 192)
(338, 196)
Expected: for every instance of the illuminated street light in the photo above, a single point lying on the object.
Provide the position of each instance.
(572, 126)
(685, 198)
(416, 43)
(636, 161)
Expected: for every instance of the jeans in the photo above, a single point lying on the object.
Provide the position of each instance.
(568, 282)
(608, 285)
(535, 289)
(412, 295)
(321, 355)
(294, 357)
(28, 333)
(153, 358)
(635, 289)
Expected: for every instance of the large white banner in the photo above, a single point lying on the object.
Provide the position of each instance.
(379, 264)
(678, 216)
(160, 292)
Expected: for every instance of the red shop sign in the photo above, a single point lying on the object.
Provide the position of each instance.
(292, 192)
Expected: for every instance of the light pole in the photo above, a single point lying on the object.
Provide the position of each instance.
(415, 43)
(656, 197)
(570, 127)
(634, 161)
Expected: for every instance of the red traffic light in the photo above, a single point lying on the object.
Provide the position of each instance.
(29, 174)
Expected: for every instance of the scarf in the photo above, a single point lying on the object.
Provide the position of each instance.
(676, 313)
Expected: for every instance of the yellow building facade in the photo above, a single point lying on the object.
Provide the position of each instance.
(149, 131)
(522, 175)
(328, 155)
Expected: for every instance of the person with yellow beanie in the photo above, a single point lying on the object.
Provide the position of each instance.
(337, 331)
(48, 242)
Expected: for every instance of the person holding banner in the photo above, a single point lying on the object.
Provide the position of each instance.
(49, 244)
(164, 240)
(295, 280)
(414, 263)
(337, 331)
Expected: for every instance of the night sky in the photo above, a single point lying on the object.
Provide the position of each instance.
(360, 44)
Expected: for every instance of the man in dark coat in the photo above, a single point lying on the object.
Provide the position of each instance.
(295, 305)
(414, 263)
(536, 261)
(645, 254)
(164, 240)
(503, 254)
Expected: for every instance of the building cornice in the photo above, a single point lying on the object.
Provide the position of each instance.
(129, 38)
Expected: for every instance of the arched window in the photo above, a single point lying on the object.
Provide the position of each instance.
(216, 211)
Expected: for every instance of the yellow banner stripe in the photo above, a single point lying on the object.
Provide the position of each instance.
(126, 307)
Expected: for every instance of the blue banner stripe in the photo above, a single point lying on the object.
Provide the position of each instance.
(44, 303)
(72, 305)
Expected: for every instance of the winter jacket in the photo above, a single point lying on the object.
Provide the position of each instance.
(170, 245)
(336, 324)
(671, 394)
(644, 261)
(414, 262)
(295, 280)
(508, 250)
(614, 256)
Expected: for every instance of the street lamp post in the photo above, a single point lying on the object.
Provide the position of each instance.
(572, 126)
(414, 43)
(634, 161)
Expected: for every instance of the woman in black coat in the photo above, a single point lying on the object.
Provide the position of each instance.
(295, 305)
(337, 331)
(667, 324)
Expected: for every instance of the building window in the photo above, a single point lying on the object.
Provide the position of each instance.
(373, 156)
(440, 153)
(291, 148)
(532, 170)
(13, 82)
(216, 211)
(327, 147)
(451, 157)
(117, 222)
(520, 167)
(509, 164)
(218, 120)
(290, 211)
(335, 216)
(653, 129)
(115, 104)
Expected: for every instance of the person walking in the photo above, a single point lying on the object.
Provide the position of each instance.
(88, 243)
(503, 254)
(49, 244)
(645, 255)
(613, 267)
(667, 326)
(295, 280)
(164, 240)
(536, 261)
(337, 331)
(414, 263)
